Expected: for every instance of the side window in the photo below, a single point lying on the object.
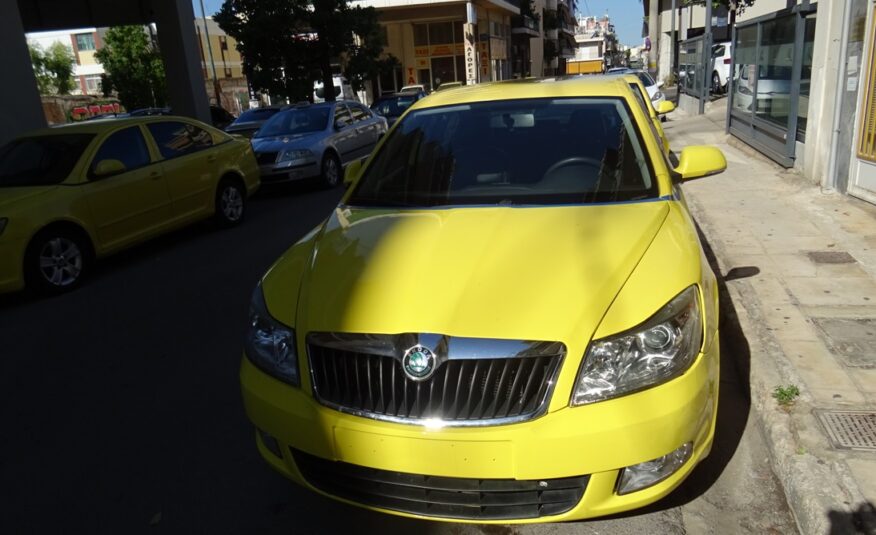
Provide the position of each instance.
(176, 139)
(342, 116)
(359, 113)
(126, 146)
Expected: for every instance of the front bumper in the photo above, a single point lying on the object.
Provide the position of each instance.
(595, 440)
(11, 265)
(278, 174)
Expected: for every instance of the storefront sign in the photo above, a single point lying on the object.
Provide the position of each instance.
(439, 50)
(411, 80)
(485, 59)
(471, 56)
(422, 63)
(421, 51)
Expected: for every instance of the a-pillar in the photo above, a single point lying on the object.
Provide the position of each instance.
(182, 61)
(22, 109)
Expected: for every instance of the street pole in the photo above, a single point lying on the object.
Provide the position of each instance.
(210, 50)
(674, 47)
(707, 58)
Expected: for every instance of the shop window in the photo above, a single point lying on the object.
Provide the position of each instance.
(774, 69)
(744, 68)
(805, 78)
(441, 33)
(458, 32)
(421, 35)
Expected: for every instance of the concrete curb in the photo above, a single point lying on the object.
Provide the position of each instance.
(819, 493)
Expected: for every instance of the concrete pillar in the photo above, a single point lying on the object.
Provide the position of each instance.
(23, 109)
(182, 61)
(654, 35)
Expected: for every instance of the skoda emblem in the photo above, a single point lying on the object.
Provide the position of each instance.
(418, 362)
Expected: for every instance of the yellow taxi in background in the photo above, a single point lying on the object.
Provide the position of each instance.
(508, 317)
(657, 114)
(74, 193)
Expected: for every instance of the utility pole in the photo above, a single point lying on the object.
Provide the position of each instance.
(707, 58)
(210, 50)
(673, 48)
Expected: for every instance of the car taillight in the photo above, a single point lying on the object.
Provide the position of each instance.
(726, 61)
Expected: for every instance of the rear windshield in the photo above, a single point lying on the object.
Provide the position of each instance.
(512, 152)
(41, 161)
(393, 106)
(258, 114)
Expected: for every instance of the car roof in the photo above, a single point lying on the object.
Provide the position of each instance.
(568, 86)
(105, 125)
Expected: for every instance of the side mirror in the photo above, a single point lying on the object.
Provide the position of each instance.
(665, 107)
(699, 161)
(352, 172)
(105, 168)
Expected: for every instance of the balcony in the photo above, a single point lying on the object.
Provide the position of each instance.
(524, 25)
(567, 28)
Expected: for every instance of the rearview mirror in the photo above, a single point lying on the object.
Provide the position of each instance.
(352, 172)
(665, 107)
(105, 168)
(699, 161)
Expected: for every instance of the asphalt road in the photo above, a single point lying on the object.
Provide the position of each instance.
(122, 414)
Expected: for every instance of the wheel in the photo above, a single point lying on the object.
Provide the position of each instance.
(230, 203)
(331, 170)
(716, 84)
(56, 261)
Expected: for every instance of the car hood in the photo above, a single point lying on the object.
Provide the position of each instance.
(9, 197)
(546, 273)
(278, 143)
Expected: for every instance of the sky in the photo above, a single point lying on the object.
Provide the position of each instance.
(626, 15)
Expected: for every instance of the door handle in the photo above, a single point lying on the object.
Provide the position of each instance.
(155, 175)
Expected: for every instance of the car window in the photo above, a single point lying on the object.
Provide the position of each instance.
(126, 146)
(529, 151)
(178, 139)
(646, 79)
(359, 113)
(718, 51)
(258, 114)
(41, 160)
(296, 121)
(342, 116)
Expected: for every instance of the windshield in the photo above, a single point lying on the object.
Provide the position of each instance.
(511, 152)
(393, 106)
(258, 114)
(298, 121)
(41, 161)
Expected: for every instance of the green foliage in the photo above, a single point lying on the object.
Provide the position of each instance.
(53, 68)
(786, 395)
(289, 44)
(133, 68)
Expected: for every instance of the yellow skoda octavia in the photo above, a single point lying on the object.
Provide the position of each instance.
(508, 317)
(79, 192)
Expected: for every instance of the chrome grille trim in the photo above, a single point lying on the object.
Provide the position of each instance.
(506, 381)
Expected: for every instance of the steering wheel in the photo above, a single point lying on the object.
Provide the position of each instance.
(574, 160)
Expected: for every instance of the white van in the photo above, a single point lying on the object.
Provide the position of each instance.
(343, 90)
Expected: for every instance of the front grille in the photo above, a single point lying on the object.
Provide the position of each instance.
(447, 497)
(465, 390)
(265, 158)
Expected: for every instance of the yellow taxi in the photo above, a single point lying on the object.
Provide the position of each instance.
(71, 194)
(656, 113)
(508, 317)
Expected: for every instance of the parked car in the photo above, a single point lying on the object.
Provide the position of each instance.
(449, 85)
(508, 317)
(773, 89)
(316, 140)
(416, 88)
(657, 114)
(722, 57)
(251, 120)
(149, 112)
(393, 106)
(654, 88)
(72, 194)
(343, 90)
(220, 117)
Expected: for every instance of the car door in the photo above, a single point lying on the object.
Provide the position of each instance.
(190, 164)
(367, 129)
(132, 203)
(345, 138)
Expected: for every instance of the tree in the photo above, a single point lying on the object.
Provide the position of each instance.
(53, 68)
(133, 68)
(289, 44)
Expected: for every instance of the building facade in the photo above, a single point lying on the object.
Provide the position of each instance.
(83, 43)
(219, 56)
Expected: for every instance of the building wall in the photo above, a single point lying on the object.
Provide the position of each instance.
(229, 63)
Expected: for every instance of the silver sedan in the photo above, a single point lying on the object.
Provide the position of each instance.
(316, 140)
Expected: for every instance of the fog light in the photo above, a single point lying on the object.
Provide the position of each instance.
(270, 443)
(642, 475)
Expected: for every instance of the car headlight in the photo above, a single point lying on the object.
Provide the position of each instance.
(652, 353)
(269, 344)
(295, 156)
(657, 96)
(3, 223)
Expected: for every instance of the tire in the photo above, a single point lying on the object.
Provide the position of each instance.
(717, 88)
(330, 171)
(230, 203)
(56, 261)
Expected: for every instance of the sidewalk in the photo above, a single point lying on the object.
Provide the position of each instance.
(800, 272)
